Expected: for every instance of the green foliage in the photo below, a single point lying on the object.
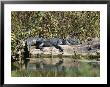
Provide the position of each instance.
(15, 66)
(50, 24)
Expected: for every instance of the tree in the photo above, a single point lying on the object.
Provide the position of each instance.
(54, 24)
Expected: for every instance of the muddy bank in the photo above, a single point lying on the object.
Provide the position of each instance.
(68, 50)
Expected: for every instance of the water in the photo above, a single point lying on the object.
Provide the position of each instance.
(35, 66)
(69, 67)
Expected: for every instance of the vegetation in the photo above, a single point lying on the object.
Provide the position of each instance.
(50, 24)
(55, 24)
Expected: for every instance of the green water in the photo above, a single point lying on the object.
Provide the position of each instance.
(84, 69)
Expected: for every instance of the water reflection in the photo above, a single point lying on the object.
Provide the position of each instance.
(75, 68)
